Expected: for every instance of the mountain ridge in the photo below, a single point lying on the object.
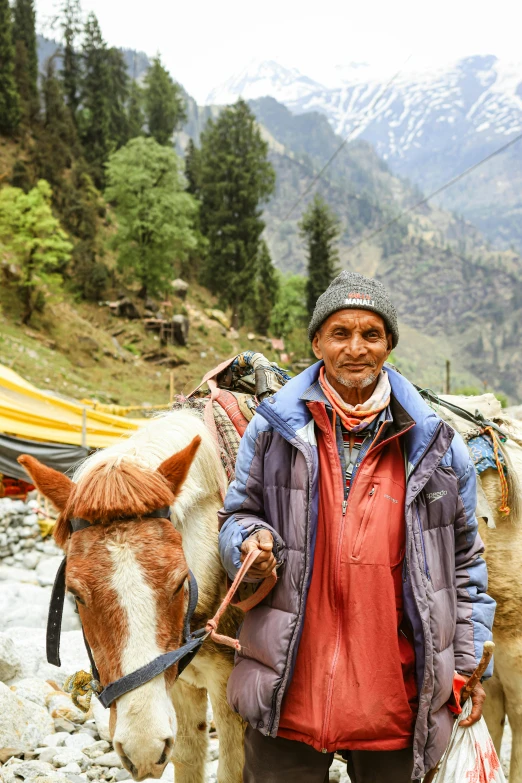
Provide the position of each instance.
(430, 126)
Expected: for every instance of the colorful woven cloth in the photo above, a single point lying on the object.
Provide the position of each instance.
(483, 453)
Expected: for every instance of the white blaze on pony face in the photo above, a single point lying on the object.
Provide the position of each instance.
(145, 718)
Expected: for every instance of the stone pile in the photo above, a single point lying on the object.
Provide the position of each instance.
(21, 542)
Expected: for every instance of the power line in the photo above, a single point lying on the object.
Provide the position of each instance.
(425, 200)
(347, 139)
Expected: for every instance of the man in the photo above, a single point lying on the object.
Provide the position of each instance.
(364, 499)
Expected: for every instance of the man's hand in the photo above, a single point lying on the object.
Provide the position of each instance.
(265, 562)
(478, 695)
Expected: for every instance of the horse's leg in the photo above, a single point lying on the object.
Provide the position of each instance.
(495, 709)
(508, 662)
(191, 746)
(230, 728)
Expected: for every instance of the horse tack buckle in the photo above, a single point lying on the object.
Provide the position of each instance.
(82, 685)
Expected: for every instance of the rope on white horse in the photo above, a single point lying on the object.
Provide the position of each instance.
(249, 603)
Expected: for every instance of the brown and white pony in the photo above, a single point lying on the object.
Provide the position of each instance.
(128, 578)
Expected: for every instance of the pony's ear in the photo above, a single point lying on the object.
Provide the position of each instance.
(175, 469)
(52, 484)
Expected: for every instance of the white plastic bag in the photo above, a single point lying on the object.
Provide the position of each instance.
(471, 756)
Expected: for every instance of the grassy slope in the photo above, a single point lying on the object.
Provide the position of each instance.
(72, 349)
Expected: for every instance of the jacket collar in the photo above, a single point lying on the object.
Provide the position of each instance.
(289, 406)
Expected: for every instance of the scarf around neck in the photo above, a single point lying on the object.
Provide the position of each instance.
(357, 417)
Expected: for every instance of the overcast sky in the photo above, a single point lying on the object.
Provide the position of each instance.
(204, 42)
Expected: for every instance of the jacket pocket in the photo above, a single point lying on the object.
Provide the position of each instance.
(356, 551)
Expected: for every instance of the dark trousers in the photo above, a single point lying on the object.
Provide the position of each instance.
(285, 761)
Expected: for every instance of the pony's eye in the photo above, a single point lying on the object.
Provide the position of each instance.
(178, 589)
(76, 596)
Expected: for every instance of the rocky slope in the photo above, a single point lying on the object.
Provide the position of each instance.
(460, 300)
(429, 125)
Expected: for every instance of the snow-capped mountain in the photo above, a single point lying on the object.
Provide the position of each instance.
(261, 78)
(429, 124)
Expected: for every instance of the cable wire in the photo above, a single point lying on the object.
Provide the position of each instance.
(436, 192)
(347, 139)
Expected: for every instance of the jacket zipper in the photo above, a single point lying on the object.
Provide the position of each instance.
(337, 596)
(421, 533)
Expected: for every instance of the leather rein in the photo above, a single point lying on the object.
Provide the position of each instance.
(192, 640)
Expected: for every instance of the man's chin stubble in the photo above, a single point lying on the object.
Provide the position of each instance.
(357, 383)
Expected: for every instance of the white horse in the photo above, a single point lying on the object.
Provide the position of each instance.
(502, 536)
(128, 579)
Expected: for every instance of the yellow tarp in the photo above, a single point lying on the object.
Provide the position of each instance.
(28, 412)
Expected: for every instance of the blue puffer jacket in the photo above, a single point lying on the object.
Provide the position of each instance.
(445, 579)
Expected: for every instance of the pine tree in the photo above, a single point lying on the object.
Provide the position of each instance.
(164, 103)
(136, 118)
(56, 138)
(26, 67)
(71, 23)
(193, 169)
(319, 228)
(119, 129)
(235, 178)
(267, 289)
(95, 117)
(9, 99)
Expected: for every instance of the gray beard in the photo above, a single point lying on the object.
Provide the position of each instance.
(357, 383)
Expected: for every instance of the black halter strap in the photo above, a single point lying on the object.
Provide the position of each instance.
(182, 656)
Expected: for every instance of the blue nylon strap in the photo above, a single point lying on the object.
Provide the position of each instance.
(150, 670)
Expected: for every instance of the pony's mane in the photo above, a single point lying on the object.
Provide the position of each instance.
(111, 491)
(121, 480)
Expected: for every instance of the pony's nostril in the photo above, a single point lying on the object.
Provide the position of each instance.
(168, 745)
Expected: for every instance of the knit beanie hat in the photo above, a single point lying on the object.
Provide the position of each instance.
(350, 290)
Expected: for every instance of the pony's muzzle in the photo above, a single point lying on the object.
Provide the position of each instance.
(146, 768)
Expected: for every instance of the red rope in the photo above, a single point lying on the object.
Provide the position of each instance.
(249, 603)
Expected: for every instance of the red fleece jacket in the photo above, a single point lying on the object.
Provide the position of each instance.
(354, 685)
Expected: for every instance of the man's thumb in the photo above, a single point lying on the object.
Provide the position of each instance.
(265, 539)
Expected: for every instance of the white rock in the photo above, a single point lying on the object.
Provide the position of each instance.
(213, 749)
(72, 769)
(79, 741)
(10, 574)
(9, 661)
(54, 740)
(60, 705)
(31, 519)
(97, 749)
(54, 777)
(23, 724)
(23, 604)
(29, 644)
(16, 770)
(65, 756)
(46, 570)
(34, 689)
(121, 774)
(31, 559)
(101, 716)
(110, 759)
(46, 754)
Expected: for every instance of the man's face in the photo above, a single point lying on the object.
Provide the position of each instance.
(354, 344)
